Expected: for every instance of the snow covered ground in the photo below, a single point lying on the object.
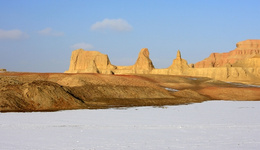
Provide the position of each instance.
(209, 125)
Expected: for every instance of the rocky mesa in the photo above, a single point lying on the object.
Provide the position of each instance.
(244, 49)
(89, 62)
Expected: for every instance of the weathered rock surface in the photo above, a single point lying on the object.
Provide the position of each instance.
(245, 49)
(89, 62)
(252, 62)
(229, 74)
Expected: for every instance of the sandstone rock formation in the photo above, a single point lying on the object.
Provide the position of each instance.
(239, 65)
(245, 49)
(248, 62)
(89, 62)
(178, 67)
(143, 65)
(178, 64)
(143, 62)
(95, 62)
(248, 45)
(2, 70)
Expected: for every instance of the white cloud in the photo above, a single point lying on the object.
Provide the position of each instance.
(82, 45)
(50, 32)
(112, 24)
(12, 34)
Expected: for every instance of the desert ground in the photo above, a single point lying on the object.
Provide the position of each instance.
(58, 91)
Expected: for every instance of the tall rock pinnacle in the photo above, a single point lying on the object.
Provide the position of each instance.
(143, 61)
(178, 55)
(179, 63)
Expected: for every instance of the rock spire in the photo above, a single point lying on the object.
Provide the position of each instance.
(178, 62)
(143, 61)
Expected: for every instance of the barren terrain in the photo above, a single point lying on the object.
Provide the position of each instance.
(58, 91)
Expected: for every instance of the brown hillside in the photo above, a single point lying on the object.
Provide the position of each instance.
(54, 91)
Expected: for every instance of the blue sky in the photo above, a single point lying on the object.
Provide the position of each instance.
(39, 36)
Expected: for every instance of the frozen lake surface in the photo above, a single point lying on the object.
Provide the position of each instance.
(214, 125)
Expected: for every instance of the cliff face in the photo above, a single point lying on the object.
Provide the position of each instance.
(252, 62)
(245, 49)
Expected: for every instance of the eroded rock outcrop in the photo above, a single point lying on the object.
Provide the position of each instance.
(239, 65)
(90, 62)
(248, 62)
(178, 67)
(143, 62)
(245, 49)
(178, 64)
(95, 62)
(143, 65)
(2, 70)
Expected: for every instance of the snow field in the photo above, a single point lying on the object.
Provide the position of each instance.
(209, 125)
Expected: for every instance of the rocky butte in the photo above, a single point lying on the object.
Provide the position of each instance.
(239, 65)
(90, 62)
